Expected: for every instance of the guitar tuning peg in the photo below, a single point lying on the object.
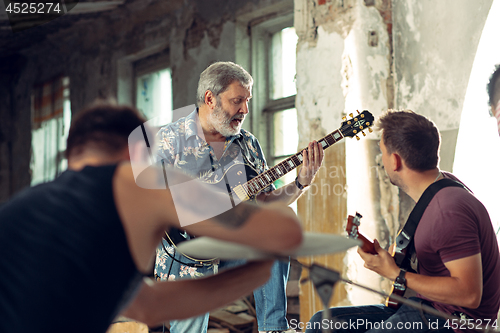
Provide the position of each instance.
(351, 115)
(357, 138)
(364, 134)
(370, 129)
(344, 118)
(357, 111)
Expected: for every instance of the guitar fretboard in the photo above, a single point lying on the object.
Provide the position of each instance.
(265, 179)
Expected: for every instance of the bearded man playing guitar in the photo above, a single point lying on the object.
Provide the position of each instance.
(206, 144)
(455, 244)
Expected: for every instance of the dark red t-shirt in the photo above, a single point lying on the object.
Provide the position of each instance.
(456, 225)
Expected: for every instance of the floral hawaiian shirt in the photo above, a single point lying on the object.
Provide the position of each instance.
(181, 146)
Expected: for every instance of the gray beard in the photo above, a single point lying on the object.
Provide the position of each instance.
(222, 123)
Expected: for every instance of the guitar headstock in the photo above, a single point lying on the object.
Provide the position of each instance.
(352, 229)
(352, 226)
(357, 124)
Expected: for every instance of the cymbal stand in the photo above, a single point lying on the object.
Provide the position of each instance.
(324, 280)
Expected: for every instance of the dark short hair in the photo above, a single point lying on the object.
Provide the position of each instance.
(414, 137)
(217, 78)
(493, 87)
(104, 124)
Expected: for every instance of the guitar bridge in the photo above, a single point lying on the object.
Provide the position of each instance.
(241, 193)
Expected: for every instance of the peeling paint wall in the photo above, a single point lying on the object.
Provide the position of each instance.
(344, 65)
(435, 44)
(382, 54)
(319, 93)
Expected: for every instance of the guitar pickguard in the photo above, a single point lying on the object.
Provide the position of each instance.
(231, 180)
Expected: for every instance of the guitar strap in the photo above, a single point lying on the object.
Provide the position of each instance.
(404, 239)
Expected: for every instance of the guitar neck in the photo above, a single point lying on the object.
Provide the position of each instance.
(266, 178)
(368, 245)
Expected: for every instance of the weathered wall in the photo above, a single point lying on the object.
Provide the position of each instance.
(382, 54)
(344, 65)
(435, 44)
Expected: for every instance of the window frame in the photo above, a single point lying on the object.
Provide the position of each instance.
(263, 106)
(150, 64)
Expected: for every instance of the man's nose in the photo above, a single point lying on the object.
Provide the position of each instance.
(245, 109)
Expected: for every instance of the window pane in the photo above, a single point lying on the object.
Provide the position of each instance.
(154, 96)
(49, 134)
(286, 132)
(284, 49)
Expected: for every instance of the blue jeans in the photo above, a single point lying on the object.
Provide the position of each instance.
(377, 318)
(270, 299)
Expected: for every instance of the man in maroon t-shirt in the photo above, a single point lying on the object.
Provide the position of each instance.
(456, 231)
(455, 244)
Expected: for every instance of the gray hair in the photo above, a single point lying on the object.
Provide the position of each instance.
(217, 78)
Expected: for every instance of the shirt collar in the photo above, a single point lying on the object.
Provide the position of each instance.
(191, 124)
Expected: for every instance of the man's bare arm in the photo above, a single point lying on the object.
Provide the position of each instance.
(166, 300)
(463, 288)
(147, 213)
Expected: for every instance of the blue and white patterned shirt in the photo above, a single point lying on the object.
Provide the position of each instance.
(181, 146)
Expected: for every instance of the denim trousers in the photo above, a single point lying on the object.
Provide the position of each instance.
(270, 299)
(376, 318)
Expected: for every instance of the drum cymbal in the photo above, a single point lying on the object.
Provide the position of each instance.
(313, 244)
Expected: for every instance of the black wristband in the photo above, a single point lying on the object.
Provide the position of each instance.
(401, 280)
(299, 185)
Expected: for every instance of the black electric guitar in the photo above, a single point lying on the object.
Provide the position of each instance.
(235, 181)
(401, 256)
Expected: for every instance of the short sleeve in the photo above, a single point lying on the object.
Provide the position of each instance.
(455, 235)
(166, 151)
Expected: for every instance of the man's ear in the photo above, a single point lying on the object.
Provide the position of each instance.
(210, 99)
(397, 161)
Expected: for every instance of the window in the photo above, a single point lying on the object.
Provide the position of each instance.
(280, 109)
(283, 48)
(153, 87)
(154, 96)
(274, 117)
(51, 117)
